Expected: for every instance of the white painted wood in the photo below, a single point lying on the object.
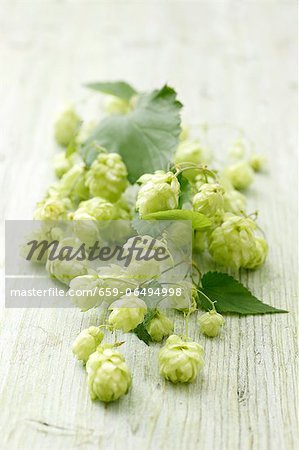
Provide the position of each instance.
(232, 61)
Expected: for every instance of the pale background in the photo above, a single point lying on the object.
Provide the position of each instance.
(232, 61)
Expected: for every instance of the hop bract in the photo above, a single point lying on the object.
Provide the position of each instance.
(108, 376)
(158, 192)
(209, 200)
(87, 342)
(66, 127)
(240, 174)
(180, 361)
(233, 243)
(210, 323)
(159, 327)
(107, 177)
(127, 313)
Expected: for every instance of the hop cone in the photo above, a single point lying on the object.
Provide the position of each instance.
(209, 199)
(108, 376)
(158, 192)
(210, 323)
(232, 244)
(87, 342)
(180, 361)
(66, 127)
(107, 177)
(159, 327)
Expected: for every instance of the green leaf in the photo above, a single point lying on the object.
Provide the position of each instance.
(231, 296)
(141, 331)
(119, 89)
(146, 137)
(185, 190)
(199, 221)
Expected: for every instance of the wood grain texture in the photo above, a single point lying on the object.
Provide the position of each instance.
(232, 61)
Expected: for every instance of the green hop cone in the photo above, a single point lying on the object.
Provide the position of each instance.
(210, 323)
(87, 342)
(234, 201)
(65, 270)
(72, 184)
(209, 200)
(191, 152)
(108, 376)
(85, 228)
(66, 127)
(89, 284)
(52, 208)
(179, 360)
(159, 327)
(107, 177)
(257, 162)
(233, 243)
(240, 174)
(97, 208)
(259, 255)
(127, 313)
(183, 297)
(158, 192)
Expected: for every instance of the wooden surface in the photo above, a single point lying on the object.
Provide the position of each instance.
(229, 61)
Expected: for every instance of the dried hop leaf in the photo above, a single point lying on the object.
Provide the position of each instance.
(180, 361)
(108, 376)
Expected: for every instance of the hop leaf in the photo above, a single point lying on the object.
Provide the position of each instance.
(146, 137)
